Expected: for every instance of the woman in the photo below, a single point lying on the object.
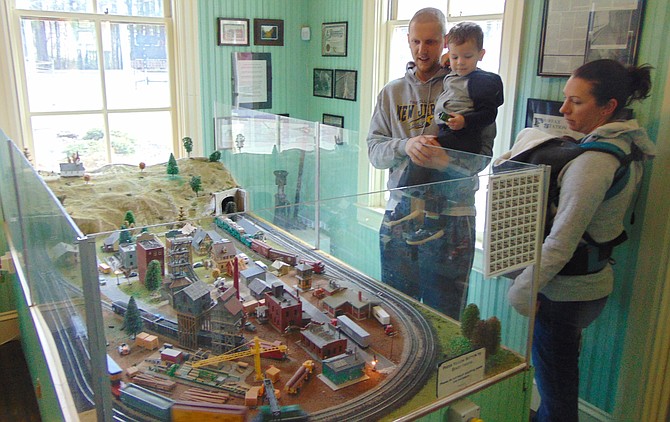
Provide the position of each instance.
(595, 95)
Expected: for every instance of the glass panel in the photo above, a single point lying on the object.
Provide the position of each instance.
(463, 8)
(295, 208)
(61, 64)
(58, 138)
(136, 71)
(150, 8)
(149, 142)
(56, 5)
(50, 264)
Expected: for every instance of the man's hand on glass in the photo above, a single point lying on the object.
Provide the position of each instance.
(425, 151)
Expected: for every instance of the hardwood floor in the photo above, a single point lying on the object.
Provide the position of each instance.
(17, 396)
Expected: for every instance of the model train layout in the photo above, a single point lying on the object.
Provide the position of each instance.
(164, 359)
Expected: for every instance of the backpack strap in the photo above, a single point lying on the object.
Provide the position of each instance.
(622, 174)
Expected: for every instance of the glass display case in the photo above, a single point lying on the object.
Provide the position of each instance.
(264, 276)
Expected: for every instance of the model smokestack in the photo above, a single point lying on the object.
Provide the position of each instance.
(236, 278)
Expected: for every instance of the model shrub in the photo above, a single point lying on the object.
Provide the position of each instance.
(469, 320)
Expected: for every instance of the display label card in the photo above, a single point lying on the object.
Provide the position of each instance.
(460, 372)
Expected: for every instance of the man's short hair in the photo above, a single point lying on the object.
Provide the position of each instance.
(463, 32)
(430, 14)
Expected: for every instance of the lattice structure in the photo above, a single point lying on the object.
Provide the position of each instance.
(513, 222)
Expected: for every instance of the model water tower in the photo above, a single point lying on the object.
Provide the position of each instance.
(281, 203)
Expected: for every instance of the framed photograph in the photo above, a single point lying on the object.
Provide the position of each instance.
(268, 32)
(323, 83)
(545, 115)
(345, 84)
(333, 120)
(233, 31)
(575, 32)
(334, 39)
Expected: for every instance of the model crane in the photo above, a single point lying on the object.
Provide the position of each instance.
(255, 351)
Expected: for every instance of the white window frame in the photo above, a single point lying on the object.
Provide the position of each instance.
(183, 61)
(377, 29)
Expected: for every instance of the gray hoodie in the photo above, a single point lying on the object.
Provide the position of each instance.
(405, 109)
(584, 182)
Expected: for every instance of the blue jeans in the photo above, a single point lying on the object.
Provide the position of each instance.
(435, 273)
(556, 346)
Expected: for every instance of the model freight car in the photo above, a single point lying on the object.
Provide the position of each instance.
(273, 254)
(353, 331)
(147, 402)
(188, 411)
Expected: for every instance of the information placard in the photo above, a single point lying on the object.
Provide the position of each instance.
(460, 372)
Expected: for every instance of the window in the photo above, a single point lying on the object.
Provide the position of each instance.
(97, 81)
(394, 53)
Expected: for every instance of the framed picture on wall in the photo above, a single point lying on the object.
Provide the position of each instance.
(334, 39)
(268, 32)
(233, 31)
(575, 32)
(323, 83)
(333, 120)
(546, 116)
(345, 84)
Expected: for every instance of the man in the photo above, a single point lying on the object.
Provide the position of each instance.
(402, 130)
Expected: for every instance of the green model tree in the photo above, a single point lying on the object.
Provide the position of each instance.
(487, 335)
(188, 145)
(130, 218)
(469, 320)
(196, 184)
(132, 320)
(153, 277)
(215, 156)
(172, 167)
(124, 236)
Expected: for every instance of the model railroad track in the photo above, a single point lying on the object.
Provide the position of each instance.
(418, 359)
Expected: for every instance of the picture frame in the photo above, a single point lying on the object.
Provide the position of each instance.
(333, 120)
(252, 80)
(323, 83)
(334, 39)
(546, 116)
(268, 32)
(345, 84)
(232, 31)
(575, 32)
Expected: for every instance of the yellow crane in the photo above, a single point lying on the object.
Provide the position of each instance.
(254, 351)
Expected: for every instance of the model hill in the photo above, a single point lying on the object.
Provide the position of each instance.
(99, 201)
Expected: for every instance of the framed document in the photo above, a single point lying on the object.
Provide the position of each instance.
(334, 39)
(575, 32)
(233, 31)
(252, 80)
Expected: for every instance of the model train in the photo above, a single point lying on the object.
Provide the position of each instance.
(353, 331)
(164, 409)
(248, 235)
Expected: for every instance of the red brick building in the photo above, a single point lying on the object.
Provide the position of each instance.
(284, 309)
(149, 248)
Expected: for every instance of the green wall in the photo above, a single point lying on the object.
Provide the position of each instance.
(292, 64)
